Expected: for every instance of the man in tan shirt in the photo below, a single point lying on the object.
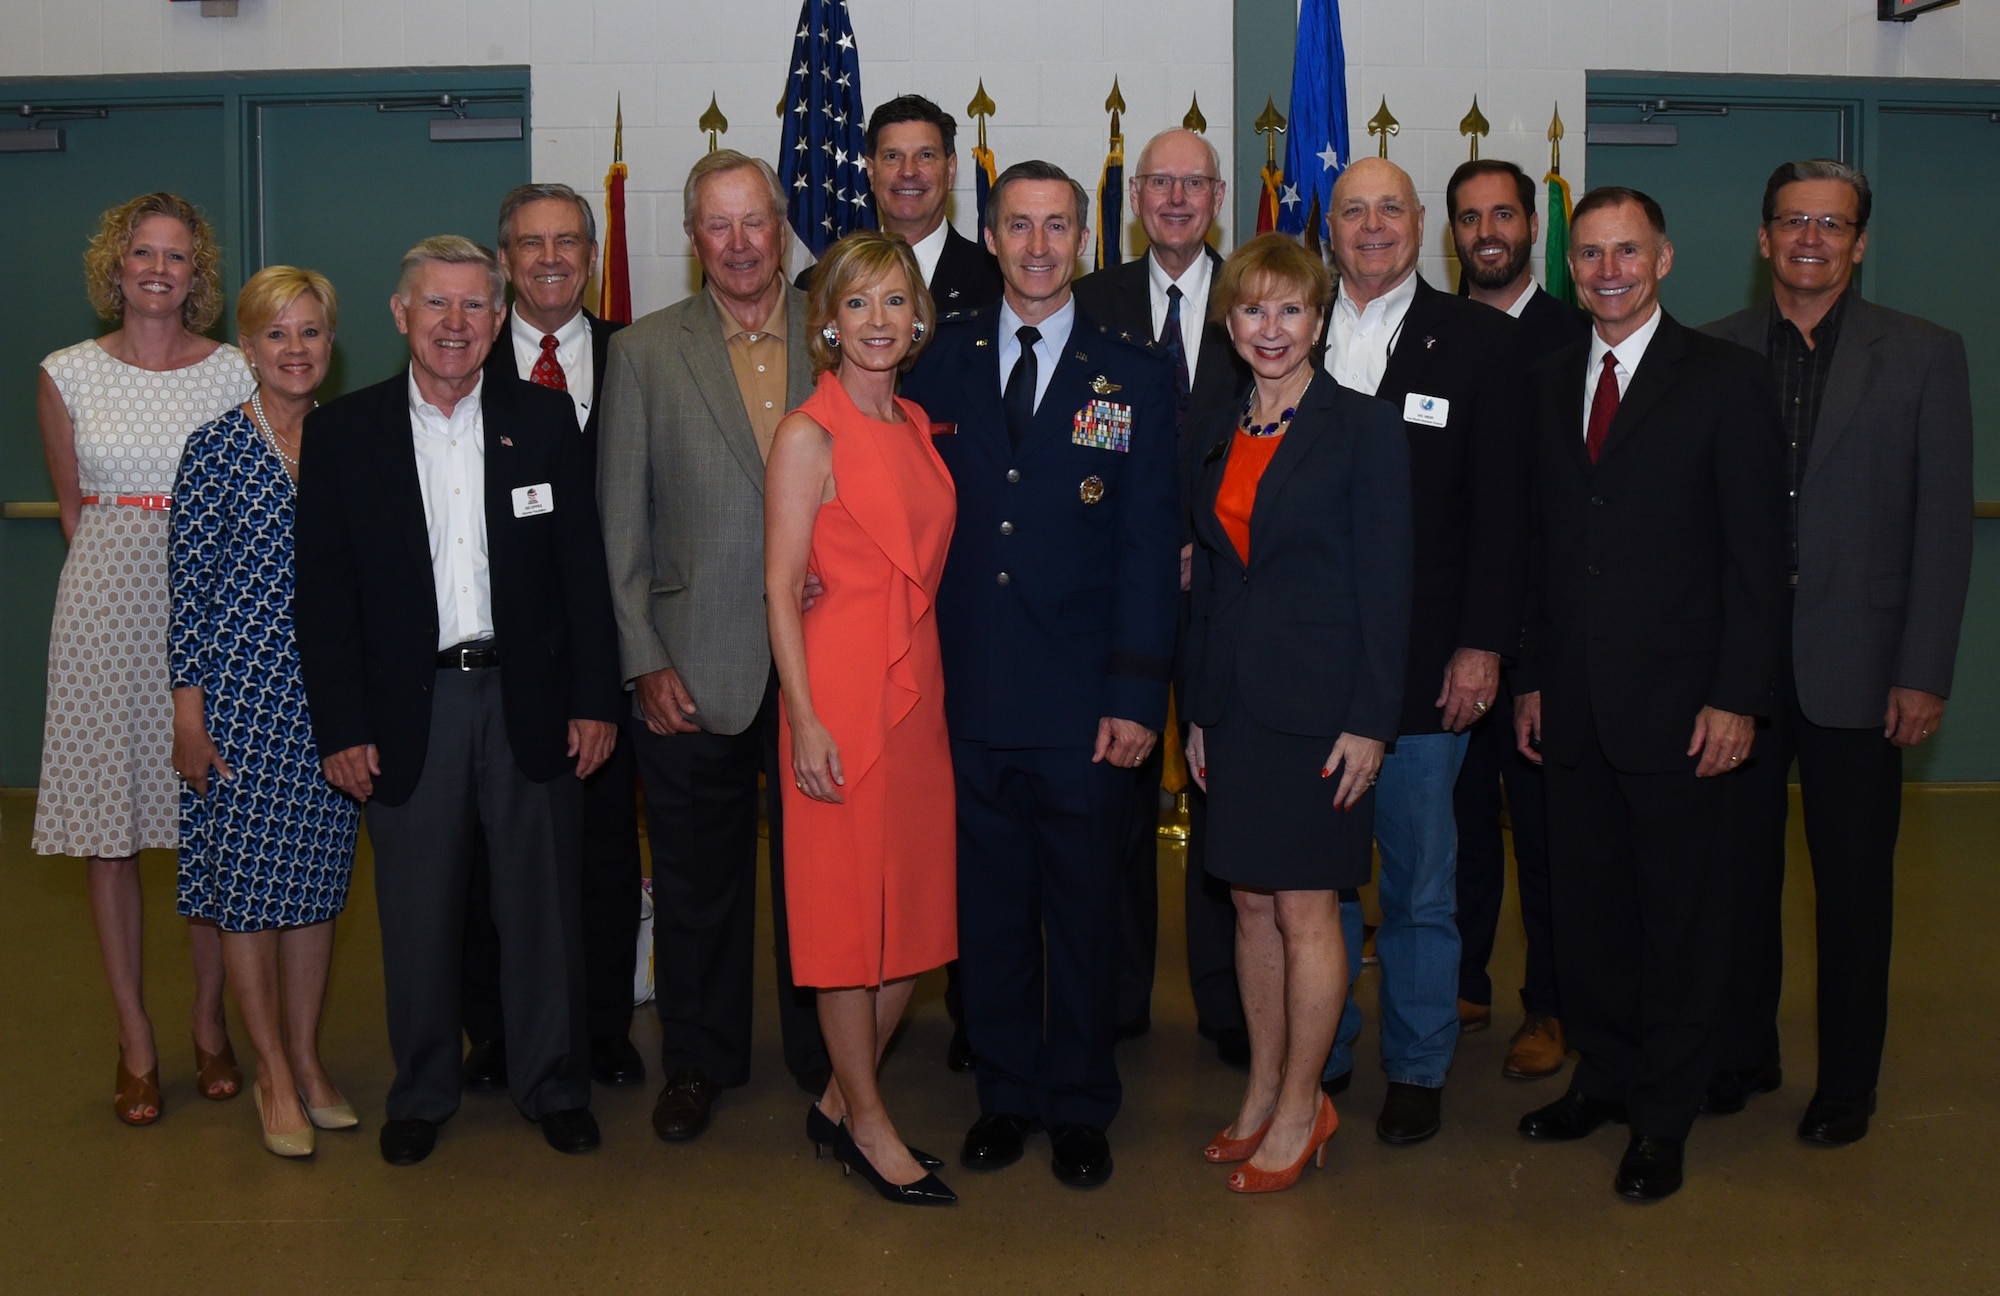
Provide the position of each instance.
(681, 485)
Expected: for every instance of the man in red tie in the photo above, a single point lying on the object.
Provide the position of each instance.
(1653, 636)
(548, 249)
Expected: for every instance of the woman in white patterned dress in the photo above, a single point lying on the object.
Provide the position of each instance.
(113, 414)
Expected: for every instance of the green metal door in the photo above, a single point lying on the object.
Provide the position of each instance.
(55, 200)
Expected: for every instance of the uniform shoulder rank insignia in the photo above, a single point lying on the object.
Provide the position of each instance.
(1104, 386)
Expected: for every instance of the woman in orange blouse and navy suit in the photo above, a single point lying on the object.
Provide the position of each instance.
(1301, 586)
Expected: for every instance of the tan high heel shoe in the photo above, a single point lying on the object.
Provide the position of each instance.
(297, 1144)
(216, 1075)
(137, 1099)
(340, 1115)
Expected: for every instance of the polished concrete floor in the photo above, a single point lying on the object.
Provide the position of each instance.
(193, 1204)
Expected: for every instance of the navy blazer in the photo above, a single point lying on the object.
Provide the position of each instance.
(1661, 567)
(366, 607)
(1059, 595)
(1547, 325)
(1311, 633)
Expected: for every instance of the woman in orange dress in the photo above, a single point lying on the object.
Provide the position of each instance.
(855, 492)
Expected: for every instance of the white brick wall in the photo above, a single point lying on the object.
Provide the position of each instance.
(1048, 64)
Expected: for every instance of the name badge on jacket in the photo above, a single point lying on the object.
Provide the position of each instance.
(1431, 411)
(533, 501)
(1104, 425)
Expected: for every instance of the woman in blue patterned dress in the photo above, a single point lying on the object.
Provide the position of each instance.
(267, 845)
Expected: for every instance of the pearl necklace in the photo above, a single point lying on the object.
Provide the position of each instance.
(271, 437)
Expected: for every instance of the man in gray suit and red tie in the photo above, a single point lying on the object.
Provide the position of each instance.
(1878, 443)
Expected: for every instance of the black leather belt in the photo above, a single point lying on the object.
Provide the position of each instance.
(469, 657)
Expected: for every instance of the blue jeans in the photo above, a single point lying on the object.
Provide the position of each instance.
(1417, 944)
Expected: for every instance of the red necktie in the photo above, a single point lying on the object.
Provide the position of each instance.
(1603, 407)
(548, 371)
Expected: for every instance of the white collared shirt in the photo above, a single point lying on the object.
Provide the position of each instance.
(929, 249)
(1193, 284)
(1055, 332)
(572, 353)
(1359, 343)
(1629, 352)
(451, 470)
(1521, 303)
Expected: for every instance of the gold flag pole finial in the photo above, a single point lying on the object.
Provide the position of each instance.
(1474, 124)
(713, 122)
(1270, 124)
(618, 131)
(1384, 124)
(1194, 121)
(1556, 141)
(1114, 104)
(981, 107)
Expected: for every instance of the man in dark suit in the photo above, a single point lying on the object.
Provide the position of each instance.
(548, 250)
(1878, 435)
(1056, 619)
(455, 632)
(1494, 229)
(1178, 191)
(1452, 370)
(1655, 627)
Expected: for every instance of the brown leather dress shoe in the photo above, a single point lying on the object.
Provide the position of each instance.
(1537, 1049)
(683, 1109)
(1473, 1017)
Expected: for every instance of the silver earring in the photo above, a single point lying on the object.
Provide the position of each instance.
(832, 335)
(917, 331)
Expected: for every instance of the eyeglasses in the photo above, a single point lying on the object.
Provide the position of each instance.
(1194, 186)
(1797, 222)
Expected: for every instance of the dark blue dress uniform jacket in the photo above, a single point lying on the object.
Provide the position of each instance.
(1056, 608)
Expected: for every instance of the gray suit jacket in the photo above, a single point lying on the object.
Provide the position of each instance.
(680, 486)
(1885, 513)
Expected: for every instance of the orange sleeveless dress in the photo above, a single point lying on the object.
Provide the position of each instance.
(871, 885)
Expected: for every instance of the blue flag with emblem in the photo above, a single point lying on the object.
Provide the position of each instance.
(821, 162)
(1316, 140)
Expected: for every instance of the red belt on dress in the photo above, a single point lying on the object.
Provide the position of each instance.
(156, 503)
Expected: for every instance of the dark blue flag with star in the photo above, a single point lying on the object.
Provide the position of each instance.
(1316, 139)
(822, 165)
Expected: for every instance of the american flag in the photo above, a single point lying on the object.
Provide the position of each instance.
(822, 164)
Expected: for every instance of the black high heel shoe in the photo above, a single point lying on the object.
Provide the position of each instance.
(927, 1191)
(824, 1133)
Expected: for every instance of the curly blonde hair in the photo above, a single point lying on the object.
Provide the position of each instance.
(861, 260)
(114, 236)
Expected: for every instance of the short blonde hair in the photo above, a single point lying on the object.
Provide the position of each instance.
(450, 249)
(863, 259)
(101, 260)
(1270, 264)
(271, 290)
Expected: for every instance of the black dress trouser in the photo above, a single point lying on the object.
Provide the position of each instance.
(1491, 762)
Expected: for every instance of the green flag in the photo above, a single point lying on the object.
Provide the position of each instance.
(1555, 248)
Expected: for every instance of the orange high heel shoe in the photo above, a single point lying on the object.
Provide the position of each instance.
(1252, 1180)
(217, 1077)
(136, 1100)
(1224, 1150)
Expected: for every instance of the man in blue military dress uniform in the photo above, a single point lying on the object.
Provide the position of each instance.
(1056, 618)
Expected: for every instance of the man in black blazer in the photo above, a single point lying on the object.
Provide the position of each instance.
(1056, 621)
(548, 250)
(1452, 370)
(1657, 615)
(1178, 191)
(1494, 229)
(1877, 411)
(455, 633)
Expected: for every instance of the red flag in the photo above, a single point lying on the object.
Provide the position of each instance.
(1267, 201)
(614, 301)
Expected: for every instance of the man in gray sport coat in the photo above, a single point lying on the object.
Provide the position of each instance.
(1878, 420)
(692, 399)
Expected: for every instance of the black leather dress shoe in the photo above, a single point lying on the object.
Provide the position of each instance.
(406, 1142)
(486, 1066)
(1082, 1155)
(815, 1080)
(683, 1108)
(958, 1054)
(571, 1130)
(1729, 1091)
(1650, 1170)
(614, 1062)
(1334, 1086)
(1836, 1122)
(1571, 1116)
(1410, 1114)
(1232, 1045)
(995, 1141)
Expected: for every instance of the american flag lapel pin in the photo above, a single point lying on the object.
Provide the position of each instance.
(508, 442)
(1430, 341)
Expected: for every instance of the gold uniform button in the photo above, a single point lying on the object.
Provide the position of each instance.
(1004, 579)
(1006, 528)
